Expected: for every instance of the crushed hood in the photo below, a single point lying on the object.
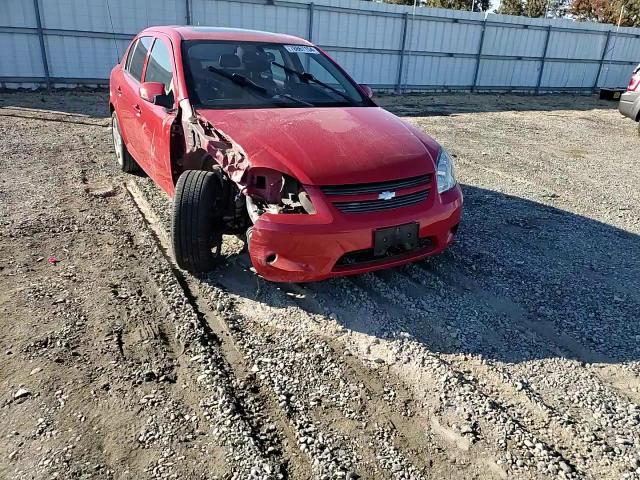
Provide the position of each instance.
(328, 146)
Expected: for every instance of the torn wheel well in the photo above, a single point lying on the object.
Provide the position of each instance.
(198, 145)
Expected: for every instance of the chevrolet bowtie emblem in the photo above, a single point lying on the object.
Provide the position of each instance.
(386, 195)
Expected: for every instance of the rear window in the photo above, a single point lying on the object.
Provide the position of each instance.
(136, 61)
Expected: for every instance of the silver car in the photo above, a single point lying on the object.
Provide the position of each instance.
(630, 100)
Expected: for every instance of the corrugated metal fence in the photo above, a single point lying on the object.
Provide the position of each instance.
(78, 41)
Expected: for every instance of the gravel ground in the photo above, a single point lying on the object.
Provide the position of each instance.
(515, 354)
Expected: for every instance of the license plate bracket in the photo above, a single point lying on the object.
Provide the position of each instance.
(401, 237)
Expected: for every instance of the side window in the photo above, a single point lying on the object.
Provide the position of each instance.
(136, 63)
(130, 55)
(159, 65)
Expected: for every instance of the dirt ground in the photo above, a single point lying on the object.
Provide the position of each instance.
(515, 354)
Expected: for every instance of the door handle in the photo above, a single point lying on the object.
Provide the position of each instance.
(136, 107)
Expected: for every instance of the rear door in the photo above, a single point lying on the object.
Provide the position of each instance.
(155, 120)
(129, 100)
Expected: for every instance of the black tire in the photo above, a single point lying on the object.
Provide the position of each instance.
(197, 226)
(125, 161)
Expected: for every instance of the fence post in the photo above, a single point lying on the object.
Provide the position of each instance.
(544, 56)
(307, 63)
(187, 6)
(310, 26)
(405, 22)
(43, 50)
(479, 55)
(602, 57)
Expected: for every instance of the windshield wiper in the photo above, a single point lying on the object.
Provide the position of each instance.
(308, 77)
(239, 80)
(247, 82)
(304, 76)
(293, 99)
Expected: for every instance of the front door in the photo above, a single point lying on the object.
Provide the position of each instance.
(155, 120)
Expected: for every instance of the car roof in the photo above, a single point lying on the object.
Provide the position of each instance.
(187, 32)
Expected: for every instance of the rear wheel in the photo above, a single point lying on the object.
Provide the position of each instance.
(197, 225)
(123, 157)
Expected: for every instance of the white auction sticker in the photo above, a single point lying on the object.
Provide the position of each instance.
(301, 49)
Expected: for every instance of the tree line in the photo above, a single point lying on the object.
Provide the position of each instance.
(603, 11)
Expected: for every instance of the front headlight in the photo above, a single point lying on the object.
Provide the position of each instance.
(444, 170)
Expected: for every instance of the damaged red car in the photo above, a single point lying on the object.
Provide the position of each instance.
(263, 135)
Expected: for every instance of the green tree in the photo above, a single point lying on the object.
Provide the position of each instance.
(511, 7)
(535, 8)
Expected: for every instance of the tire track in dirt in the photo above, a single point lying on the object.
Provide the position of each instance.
(291, 294)
(358, 399)
(247, 319)
(89, 426)
(242, 409)
(371, 355)
(484, 409)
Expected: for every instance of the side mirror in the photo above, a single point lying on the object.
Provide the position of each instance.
(153, 92)
(367, 90)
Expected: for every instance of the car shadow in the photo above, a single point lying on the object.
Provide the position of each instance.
(523, 281)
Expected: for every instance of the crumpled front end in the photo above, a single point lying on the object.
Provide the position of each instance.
(204, 142)
(305, 230)
(332, 243)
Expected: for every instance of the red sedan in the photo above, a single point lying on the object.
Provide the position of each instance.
(264, 135)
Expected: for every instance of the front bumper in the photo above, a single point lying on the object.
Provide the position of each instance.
(304, 248)
(629, 105)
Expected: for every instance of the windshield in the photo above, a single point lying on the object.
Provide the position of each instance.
(228, 74)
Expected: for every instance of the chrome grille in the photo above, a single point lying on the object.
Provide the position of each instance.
(377, 187)
(378, 205)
